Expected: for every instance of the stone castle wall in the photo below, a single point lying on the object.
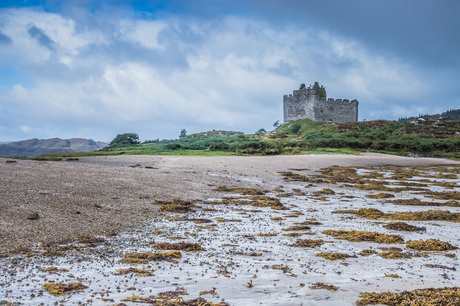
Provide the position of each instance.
(306, 103)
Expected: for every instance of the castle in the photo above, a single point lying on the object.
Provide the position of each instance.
(312, 103)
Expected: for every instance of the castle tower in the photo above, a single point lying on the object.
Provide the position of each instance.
(311, 103)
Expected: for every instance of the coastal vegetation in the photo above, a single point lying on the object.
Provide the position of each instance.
(427, 136)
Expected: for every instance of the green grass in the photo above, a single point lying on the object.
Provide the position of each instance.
(305, 137)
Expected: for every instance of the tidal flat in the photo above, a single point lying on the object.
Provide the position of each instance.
(283, 230)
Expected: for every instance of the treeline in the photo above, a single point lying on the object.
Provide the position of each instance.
(453, 113)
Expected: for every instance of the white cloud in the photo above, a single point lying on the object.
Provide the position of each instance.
(143, 32)
(229, 75)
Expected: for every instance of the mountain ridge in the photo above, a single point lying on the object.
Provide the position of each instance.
(34, 147)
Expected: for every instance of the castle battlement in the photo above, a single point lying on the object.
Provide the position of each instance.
(312, 103)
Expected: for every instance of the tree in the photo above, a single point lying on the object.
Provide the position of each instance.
(302, 86)
(183, 133)
(126, 139)
(261, 131)
(276, 124)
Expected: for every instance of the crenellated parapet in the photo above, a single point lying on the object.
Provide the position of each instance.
(312, 103)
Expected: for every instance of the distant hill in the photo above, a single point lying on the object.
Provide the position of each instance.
(35, 147)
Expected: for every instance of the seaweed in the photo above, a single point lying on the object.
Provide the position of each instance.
(324, 191)
(403, 226)
(418, 202)
(307, 243)
(175, 205)
(430, 296)
(183, 246)
(61, 288)
(334, 256)
(430, 245)
(136, 271)
(320, 285)
(395, 254)
(381, 195)
(242, 191)
(142, 258)
(267, 234)
(428, 215)
(357, 236)
(367, 252)
(90, 240)
(297, 228)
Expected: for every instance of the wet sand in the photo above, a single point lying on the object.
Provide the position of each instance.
(105, 195)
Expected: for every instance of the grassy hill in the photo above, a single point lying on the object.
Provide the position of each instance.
(421, 136)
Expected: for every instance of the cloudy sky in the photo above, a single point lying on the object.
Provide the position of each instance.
(94, 69)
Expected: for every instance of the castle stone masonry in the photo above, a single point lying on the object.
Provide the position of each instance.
(312, 103)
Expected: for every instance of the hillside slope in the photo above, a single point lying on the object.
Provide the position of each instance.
(35, 147)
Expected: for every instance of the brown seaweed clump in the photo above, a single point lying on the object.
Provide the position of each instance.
(143, 258)
(135, 271)
(403, 226)
(297, 228)
(173, 298)
(90, 240)
(183, 246)
(307, 243)
(418, 202)
(242, 191)
(357, 236)
(397, 254)
(61, 288)
(444, 195)
(430, 245)
(367, 252)
(428, 215)
(381, 195)
(175, 206)
(325, 191)
(320, 285)
(431, 296)
(334, 256)
(264, 201)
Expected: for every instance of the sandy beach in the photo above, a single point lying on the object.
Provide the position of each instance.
(271, 230)
(103, 195)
